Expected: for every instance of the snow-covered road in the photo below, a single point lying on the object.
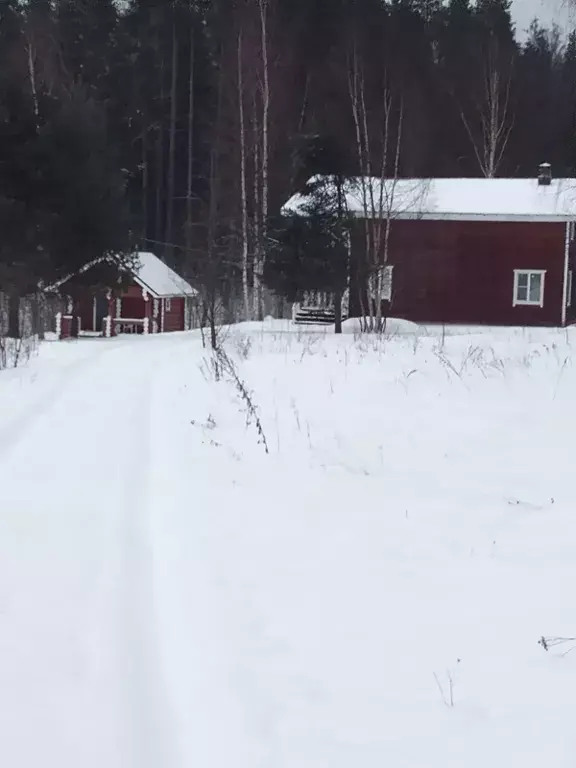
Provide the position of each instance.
(81, 681)
(369, 593)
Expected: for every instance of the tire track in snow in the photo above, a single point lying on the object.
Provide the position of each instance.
(145, 701)
(16, 429)
(84, 580)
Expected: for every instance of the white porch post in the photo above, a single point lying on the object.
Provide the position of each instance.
(187, 312)
(155, 315)
(108, 319)
(162, 311)
(58, 324)
(146, 298)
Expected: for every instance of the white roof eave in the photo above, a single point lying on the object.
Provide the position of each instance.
(431, 216)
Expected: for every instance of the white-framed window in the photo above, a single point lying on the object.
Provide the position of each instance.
(569, 289)
(167, 305)
(381, 282)
(529, 287)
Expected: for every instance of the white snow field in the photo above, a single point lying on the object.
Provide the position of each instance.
(371, 593)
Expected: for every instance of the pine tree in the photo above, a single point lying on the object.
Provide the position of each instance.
(82, 189)
(22, 262)
(545, 107)
(569, 102)
(88, 39)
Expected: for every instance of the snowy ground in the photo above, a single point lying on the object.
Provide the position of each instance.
(370, 593)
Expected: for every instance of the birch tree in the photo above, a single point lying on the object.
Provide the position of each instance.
(254, 100)
(188, 227)
(171, 181)
(243, 180)
(491, 119)
(378, 147)
(262, 160)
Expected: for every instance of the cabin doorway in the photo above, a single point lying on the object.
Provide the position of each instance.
(100, 312)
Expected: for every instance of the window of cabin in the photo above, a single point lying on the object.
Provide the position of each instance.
(380, 282)
(529, 287)
(168, 305)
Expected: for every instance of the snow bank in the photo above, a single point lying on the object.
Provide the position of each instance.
(373, 591)
(394, 326)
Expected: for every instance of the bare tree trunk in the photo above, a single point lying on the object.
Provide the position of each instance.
(383, 210)
(494, 115)
(378, 194)
(338, 310)
(159, 180)
(190, 168)
(260, 255)
(257, 218)
(212, 283)
(302, 119)
(265, 117)
(159, 162)
(37, 308)
(355, 82)
(14, 329)
(338, 291)
(170, 187)
(243, 183)
(213, 330)
(145, 182)
(32, 76)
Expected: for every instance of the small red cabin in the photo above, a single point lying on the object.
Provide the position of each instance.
(466, 251)
(154, 300)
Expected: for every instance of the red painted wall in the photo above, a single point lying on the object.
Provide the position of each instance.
(463, 271)
(133, 291)
(135, 306)
(133, 303)
(174, 317)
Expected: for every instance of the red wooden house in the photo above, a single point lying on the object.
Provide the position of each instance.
(470, 251)
(153, 299)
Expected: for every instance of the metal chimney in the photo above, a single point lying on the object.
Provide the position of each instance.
(544, 174)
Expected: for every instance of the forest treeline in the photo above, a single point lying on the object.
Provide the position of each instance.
(181, 126)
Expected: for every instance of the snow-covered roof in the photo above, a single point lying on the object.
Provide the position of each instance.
(150, 273)
(466, 199)
(157, 277)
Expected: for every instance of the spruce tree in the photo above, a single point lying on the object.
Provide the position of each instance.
(83, 191)
(310, 247)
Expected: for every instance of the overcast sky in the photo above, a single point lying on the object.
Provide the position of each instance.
(546, 10)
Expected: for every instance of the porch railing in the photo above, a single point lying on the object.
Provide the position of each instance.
(131, 325)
